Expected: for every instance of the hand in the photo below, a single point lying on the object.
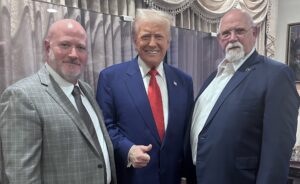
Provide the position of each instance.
(138, 155)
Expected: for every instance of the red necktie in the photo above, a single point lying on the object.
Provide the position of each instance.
(155, 99)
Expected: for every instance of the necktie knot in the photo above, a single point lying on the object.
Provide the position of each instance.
(76, 91)
(153, 72)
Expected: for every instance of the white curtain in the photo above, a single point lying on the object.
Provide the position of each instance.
(24, 23)
(113, 7)
(204, 15)
(200, 15)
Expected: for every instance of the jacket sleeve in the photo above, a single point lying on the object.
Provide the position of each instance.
(279, 128)
(21, 136)
(105, 99)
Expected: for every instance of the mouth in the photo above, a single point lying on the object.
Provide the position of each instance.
(72, 63)
(234, 47)
(152, 52)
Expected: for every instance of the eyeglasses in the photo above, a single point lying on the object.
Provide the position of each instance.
(239, 32)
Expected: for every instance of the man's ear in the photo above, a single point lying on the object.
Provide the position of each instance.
(47, 45)
(134, 43)
(255, 31)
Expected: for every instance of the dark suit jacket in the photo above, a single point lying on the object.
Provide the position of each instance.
(129, 120)
(250, 132)
(44, 140)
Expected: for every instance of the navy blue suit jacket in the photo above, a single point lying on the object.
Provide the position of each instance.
(129, 120)
(250, 132)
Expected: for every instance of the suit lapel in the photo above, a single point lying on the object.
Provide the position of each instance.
(99, 114)
(61, 99)
(237, 78)
(136, 89)
(173, 85)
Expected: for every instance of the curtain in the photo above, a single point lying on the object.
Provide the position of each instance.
(200, 15)
(24, 25)
(197, 53)
(113, 7)
(204, 15)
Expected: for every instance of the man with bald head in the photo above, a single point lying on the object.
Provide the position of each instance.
(244, 122)
(45, 133)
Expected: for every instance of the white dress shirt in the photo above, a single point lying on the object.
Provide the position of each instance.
(67, 88)
(209, 97)
(162, 83)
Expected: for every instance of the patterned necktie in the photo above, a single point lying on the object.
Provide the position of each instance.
(155, 99)
(85, 116)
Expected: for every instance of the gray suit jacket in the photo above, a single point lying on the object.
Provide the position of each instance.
(43, 137)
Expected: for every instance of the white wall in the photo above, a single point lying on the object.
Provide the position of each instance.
(288, 12)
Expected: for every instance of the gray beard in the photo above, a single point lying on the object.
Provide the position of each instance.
(234, 55)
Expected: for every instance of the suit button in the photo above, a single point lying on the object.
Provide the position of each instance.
(100, 166)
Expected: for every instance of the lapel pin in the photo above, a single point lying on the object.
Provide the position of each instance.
(175, 83)
(248, 69)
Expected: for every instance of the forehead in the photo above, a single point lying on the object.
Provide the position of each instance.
(234, 20)
(152, 27)
(66, 28)
(70, 34)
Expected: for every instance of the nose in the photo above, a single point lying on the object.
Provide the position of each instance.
(73, 53)
(152, 41)
(233, 36)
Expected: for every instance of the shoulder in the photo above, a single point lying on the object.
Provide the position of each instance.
(275, 69)
(24, 91)
(177, 72)
(268, 66)
(271, 63)
(29, 84)
(120, 67)
(119, 71)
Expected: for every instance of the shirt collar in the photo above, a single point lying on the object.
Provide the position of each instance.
(66, 86)
(236, 65)
(145, 68)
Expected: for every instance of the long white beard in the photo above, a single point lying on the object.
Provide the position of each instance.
(234, 52)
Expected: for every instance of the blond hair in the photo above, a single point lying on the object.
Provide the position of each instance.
(151, 15)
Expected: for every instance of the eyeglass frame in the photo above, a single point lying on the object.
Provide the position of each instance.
(239, 32)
